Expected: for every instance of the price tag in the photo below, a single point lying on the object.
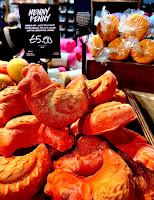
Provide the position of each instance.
(82, 23)
(83, 17)
(40, 24)
(38, 39)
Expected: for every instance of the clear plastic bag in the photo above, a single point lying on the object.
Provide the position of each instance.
(143, 51)
(134, 23)
(103, 56)
(95, 44)
(118, 49)
(107, 28)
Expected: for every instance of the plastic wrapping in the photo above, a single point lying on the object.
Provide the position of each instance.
(118, 49)
(118, 15)
(95, 44)
(122, 49)
(133, 28)
(134, 42)
(103, 56)
(134, 23)
(107, 28)
(143, 51)
(152, 22)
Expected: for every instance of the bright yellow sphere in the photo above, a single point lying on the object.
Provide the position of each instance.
(14, 68)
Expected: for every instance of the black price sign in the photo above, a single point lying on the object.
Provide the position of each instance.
(83, 17)
(40, 24)
(82, 23)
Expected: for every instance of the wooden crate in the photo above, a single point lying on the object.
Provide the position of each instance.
(138, 77)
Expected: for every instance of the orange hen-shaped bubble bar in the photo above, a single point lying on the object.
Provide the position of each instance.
(100, 89)
(21, 177)
(25, 131)
(112, 181)
(133, 144)
(53, 106)
(104, 118)
(12, 103)
(87, 155)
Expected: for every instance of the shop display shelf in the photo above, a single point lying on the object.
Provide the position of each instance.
(70, 11)
(135, 76)
(62, 20)
(62, 29)
(70, 30)
(66, 10)
(71, 21)
(62, 11)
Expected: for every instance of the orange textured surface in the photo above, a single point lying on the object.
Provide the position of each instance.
(119, 96)
(121, 49)
(12, 103)
(87, 155)
(113, 180)
(50, 104)
(107, 28)
(135, 25)
(111, 116)
(96, 45)
(21, 177)
(26, 131)
(144, 53)
(143, 178)
(100, 89)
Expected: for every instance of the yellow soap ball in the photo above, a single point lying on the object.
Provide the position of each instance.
(14, 68)
(5, 81)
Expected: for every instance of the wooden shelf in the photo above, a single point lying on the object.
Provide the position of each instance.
(135, 76)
